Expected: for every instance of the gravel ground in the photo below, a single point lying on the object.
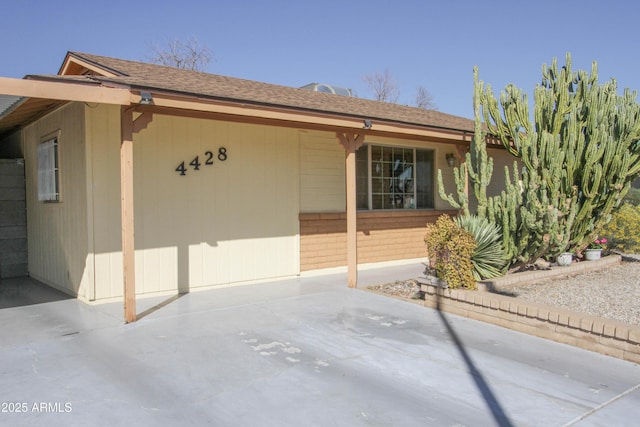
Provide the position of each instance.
(613, 293)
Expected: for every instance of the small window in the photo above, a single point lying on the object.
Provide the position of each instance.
(394, 178)
(48, 181)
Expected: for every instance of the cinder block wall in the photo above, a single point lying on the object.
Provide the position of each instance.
(13, 219)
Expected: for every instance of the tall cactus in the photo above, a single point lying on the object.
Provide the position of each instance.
(582, 148)
(477, 167)
(530, 228)
(577, 159)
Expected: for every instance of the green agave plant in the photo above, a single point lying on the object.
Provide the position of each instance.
(489, 258)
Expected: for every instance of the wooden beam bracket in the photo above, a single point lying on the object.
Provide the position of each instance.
(350, 141)
(142, 121)
(461, 152)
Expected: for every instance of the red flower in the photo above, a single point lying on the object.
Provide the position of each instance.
(597, 244)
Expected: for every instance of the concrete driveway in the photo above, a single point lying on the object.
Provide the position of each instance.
(303, 352)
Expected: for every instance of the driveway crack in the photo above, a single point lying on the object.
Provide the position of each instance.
(602, 406)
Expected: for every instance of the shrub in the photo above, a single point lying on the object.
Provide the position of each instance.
(623, 231)
(450, 249)
(488, 258)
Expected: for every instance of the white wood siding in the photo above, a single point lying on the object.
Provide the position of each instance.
(233, 221)
(58, 232)
(322, 173)
(103, 163)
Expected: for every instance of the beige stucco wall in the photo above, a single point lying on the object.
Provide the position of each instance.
(501, 158)
(58, 232)
(229, 222)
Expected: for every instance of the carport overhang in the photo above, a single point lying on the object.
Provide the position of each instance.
(351, 133)
(34, 98)
(41, 94)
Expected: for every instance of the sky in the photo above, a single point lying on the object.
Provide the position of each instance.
(434, 44)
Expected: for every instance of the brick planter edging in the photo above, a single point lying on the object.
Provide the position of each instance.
(597, 334)
(553, 272)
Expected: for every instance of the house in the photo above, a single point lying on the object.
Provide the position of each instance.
(225, 181)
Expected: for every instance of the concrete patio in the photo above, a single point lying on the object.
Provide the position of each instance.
(306, 351)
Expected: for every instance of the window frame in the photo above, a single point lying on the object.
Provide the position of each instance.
(49, 174)
(369, 176)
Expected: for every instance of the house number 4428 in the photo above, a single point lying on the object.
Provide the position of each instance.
(196, 163)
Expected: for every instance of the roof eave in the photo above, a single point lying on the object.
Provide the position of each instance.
(61, 88)
(247, 103)
(165, 101)
(75, 64)
(52, 88)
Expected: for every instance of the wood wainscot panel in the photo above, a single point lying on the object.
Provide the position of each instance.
(382, 236)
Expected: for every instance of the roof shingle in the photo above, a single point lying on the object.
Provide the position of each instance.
(142, 75)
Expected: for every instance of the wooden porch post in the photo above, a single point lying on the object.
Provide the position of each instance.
(351, 143)
(126, 209)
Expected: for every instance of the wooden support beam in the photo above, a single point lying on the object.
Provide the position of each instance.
(351, 143)
(126, 209)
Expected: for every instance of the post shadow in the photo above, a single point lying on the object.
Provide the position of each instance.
(182, 285)
(159, 306)
(496, 409)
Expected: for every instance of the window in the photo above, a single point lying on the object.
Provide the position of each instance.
(48, 185)
(394, 178)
